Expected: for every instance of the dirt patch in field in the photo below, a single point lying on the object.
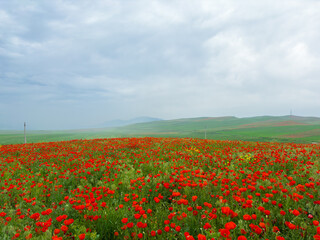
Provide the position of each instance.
(314, 132)
(271, 124)
(159, 133)
(258, 124)
(214, 118)
(288, 123)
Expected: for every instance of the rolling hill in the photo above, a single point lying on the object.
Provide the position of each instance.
(263, 128)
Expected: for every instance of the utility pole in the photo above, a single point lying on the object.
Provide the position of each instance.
(25, 137)
(205, 133)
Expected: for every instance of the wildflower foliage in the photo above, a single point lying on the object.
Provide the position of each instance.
(159, 188)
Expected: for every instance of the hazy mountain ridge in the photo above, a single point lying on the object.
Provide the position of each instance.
(121, 122)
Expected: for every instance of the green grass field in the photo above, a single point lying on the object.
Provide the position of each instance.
(265, 128)
(17, 137)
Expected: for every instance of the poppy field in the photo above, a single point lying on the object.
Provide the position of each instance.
(159, 188)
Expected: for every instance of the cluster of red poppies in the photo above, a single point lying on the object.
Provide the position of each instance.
(159, 188)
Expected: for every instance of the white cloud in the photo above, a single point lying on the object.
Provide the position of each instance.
(168, 59)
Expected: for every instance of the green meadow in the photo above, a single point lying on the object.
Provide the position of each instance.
(265, 129)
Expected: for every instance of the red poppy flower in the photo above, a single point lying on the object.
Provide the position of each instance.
(224, 232)
(295, 212)
(82, 236)
(230, 225)
(201, 237)
(242, 238)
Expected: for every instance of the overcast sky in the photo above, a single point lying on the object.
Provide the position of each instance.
(73, 64)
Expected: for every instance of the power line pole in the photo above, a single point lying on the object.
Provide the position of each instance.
(25, 137)
(205, 133)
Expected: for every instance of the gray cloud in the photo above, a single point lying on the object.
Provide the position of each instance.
(68, 65)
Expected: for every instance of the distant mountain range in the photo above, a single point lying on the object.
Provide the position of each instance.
(120, 122)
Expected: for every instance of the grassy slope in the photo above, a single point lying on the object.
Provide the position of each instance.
(265, 128)
(52, 136)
